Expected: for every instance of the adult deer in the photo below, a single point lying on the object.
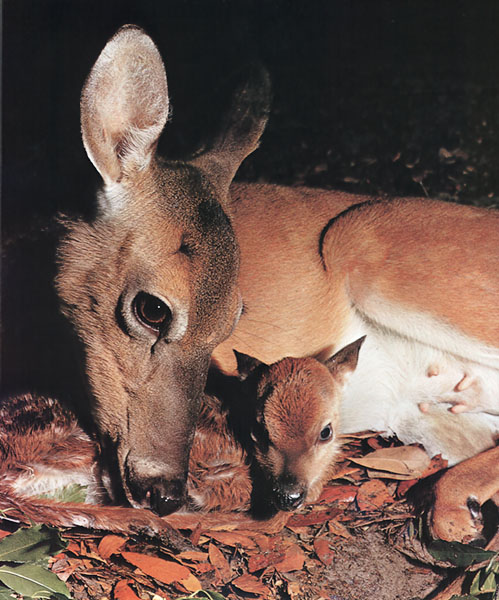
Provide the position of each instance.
(151, 285)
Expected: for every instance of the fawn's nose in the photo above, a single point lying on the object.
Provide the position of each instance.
(289, 496)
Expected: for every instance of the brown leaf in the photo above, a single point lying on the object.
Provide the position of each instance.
(323, 550)
(258, 562)
(338, 493)
(337, 528)
(110, 544)
(293, 560)
(74, 548)
(313, 518)
(263, 541)
(232, 539)
(404, 486)
(122, 591)
(191, 583)
(251, 584)
(219, 561)
(437, 463)
(404, 460)
(373, 495)
(192, 555)
(343, 472)
(165, 571)
(204, 567)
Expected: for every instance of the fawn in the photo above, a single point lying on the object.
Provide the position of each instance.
(175, 262)
(267, 442)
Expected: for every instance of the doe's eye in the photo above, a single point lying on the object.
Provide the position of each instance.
(150, 311)
(326, 434)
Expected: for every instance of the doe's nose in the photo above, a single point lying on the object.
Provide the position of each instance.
(166, 497)
(160, 495)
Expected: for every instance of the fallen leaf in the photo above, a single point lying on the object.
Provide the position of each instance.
(204, 567)
(373, 495)
(323, 550)
(32, 581)
(110, 544)
(193, 556)
(251, 584)
(165, 571)
(403, 460)
(232, 539)
(264, 542)
(372, 474)
(313, 518)
(437, 463)
(219, 561)
(337, 528)
(122, 591)
(338, 493)
(293, 560)
(404, 486)
(295, 590)
(191, 583)
(344, 472)
(259, 562)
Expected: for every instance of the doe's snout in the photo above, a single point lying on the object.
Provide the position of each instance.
(161, 495)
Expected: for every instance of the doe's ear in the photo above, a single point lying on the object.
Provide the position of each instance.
(343, 363)
(246, 364)
(241, 129)
(124, 105)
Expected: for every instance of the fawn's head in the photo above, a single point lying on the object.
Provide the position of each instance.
(296, 429)
(150, 284)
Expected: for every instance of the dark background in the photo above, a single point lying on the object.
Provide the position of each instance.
(396, 97)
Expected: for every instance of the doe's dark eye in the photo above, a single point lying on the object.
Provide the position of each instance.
(326, 434)
(151, 312)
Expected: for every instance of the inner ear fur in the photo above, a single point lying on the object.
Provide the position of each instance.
(124, 104)
(343, 363)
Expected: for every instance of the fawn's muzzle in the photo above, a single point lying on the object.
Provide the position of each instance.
(288, 495)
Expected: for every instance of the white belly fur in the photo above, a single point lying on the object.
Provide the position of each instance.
(391, 381)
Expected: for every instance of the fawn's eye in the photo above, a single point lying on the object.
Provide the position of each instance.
(326, 434)
(151, 312)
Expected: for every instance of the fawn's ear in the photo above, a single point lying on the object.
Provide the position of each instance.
(241, 129)
(124, 105)
(246, 364)
(343, 363)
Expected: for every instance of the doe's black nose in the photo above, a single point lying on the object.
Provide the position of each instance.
(166, 497)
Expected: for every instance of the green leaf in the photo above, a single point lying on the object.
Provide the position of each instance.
(5, 593)
(460, 555)
(33, 581)
(488, 586)
(206, 595)
(464, 598)
(31, 545)
(70, 493)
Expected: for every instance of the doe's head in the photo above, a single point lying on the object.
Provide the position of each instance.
(150, 284)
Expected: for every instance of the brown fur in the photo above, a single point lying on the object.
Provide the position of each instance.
(451, 517)
(42, 448)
